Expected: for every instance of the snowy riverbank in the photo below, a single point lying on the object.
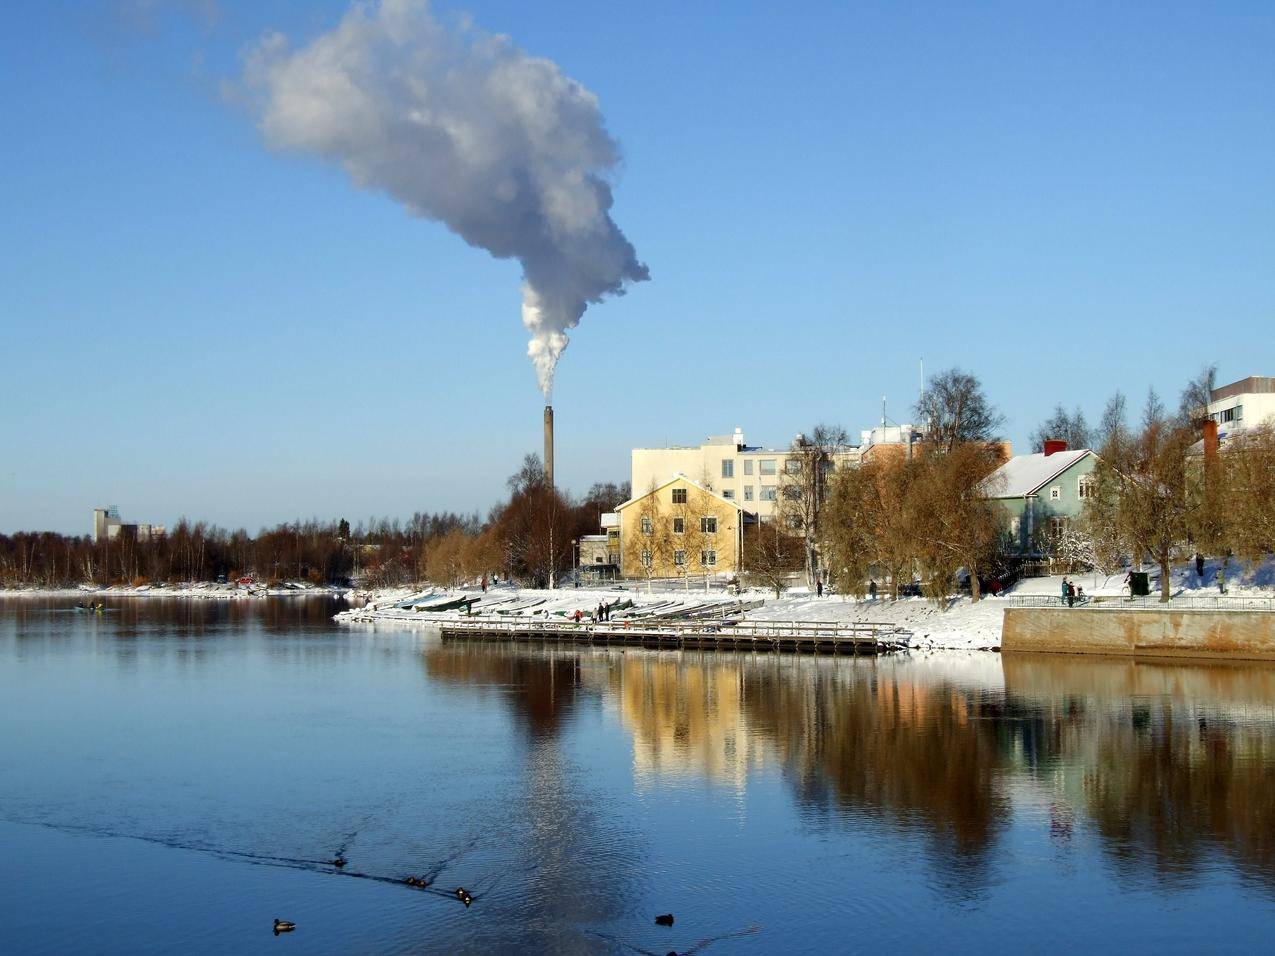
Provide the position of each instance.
(961, 625)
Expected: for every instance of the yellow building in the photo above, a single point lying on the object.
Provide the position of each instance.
(723, 464)
(679, 529)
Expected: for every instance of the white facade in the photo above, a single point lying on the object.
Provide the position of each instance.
(1247, 403)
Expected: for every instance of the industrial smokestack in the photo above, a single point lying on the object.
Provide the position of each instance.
(549, 444)
(463, 127)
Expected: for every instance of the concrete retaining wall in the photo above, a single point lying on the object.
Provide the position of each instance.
(1230, 635)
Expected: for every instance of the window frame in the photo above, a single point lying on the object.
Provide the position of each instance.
(679, 524)
(707, 522)
(679, 492)
(728, 467)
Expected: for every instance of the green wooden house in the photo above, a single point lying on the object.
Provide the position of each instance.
(1041, 494)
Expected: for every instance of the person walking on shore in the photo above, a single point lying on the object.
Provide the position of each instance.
(1063, 595)
(1221, 580)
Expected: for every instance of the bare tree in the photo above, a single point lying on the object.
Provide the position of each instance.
(872, 523)
(955, 525)
(771, 556)
(804, 488)
(1193, 404)
(1144, 489)
(953, 409)
(1071, 428)
(1113, 427)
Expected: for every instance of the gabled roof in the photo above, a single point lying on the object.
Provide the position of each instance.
(1025, 475)
(674, 479)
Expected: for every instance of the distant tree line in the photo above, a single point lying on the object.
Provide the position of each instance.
(528, 537)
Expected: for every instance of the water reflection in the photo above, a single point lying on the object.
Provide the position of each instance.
(1167, 764)
(541, 688)
(1171, 764)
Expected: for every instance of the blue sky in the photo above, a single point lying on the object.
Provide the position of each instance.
(1065, 199)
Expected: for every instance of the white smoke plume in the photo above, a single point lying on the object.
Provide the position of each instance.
(462, 127)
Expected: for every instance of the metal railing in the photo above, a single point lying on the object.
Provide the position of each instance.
(1179, 602)
(762, 630)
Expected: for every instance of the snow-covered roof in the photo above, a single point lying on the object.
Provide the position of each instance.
(1024, 475)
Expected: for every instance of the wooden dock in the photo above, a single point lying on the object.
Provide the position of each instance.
(800, 637)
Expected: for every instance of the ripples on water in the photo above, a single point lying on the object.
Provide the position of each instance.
(175, 774)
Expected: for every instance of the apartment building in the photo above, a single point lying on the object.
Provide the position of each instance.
(1248, 403)
(748, 475)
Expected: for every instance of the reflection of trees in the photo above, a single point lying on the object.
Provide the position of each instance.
(541, 687)
(862, 737)
(850, 735)
(1171, 762)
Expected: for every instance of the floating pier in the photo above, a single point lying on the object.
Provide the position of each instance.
(798, 637)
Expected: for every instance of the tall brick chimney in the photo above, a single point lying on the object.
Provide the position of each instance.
(549, 444)
(1054, 445)
(1210, 440)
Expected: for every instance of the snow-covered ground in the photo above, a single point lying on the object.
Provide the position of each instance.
(965, 626)
(962, 624)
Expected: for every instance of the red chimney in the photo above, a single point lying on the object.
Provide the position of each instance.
(1054, 445)
(1210, 439)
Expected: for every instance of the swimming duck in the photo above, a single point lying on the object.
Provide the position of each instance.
(462, 894)
(665, 920)
(283, 926)
(339, 862)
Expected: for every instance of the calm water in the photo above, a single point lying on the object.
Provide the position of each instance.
(173, 774)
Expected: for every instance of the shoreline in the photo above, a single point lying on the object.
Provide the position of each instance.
(212, 592)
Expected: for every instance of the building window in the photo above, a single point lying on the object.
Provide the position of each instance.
(679, 496)
(679, 558)
(728, 494)
(748, 466)
(792, 466)
(613, 557)
(1057, 526)
(1084, 486)
(767, 492)
(708, 525)
(648, 526)
(1055, 493)
(1015, 526)
(793, 522)
(1229, 415)
(766, 466)
(708, 559)
(728, 468)
(613, 536)
(748, 492)
(646, 559)
(792, 493)
(679, 525)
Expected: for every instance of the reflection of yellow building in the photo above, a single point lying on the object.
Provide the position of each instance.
(686, 718)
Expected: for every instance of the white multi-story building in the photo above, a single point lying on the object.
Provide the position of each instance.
(1248, 403)
(107, 526)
